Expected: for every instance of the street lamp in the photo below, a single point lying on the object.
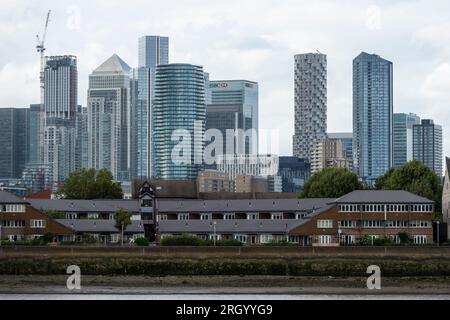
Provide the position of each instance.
(339, 236)
(437, 224)
(121, 223)
(215, 224)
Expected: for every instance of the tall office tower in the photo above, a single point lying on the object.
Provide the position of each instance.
(294, 172)
(427, 145)
(109, 97)
(310, 102)
(233, 104)
(372, 116)
(179, 109)
(403, 137)
(153, 51)
(14, 134)
(346, 139)
(36, 141)
(60, 106)
(81, 151)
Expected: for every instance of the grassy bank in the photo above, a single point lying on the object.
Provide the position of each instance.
(228, 267)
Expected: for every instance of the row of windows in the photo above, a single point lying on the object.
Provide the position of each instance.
(386, 224)
(383, 208)
(351, 239)
(13, 223)
(12, 208)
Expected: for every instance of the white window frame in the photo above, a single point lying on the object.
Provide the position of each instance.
(37, 224)
(325, 224)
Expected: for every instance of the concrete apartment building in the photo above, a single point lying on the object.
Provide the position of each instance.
(214, 181)
(329, 154)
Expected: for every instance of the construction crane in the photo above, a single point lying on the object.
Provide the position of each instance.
(41, 50)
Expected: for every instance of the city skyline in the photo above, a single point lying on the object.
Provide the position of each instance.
(421, 90)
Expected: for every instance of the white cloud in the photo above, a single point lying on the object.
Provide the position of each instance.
(252, 39)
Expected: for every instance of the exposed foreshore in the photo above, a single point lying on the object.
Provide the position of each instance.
(210, 285)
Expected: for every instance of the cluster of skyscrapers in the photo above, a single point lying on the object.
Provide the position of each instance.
(381, 139)
(157, 120)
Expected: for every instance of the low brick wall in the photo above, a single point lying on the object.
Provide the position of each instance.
(229, 251)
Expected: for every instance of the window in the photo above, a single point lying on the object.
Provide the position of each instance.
(396, 224)
(266, 238)
(294, 239)
(419, 239)
(114, 237)
(325, 239)
(12, 208)
(183, 216)
(241, 237)
(348, 224)
(205, 216)
(37, 223)
(372, 223)
(420, 224)
(147, 203)
(161, 217)
(277, 216)
(253, 216)
(228, 216)
(347, 239)
(324, 224)
(13, 223)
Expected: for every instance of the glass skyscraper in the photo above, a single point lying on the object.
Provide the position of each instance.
(153, 51)
(109, 118)
(427, 145)
(14, 136)
(403, 137)
(60, 106)
(233, 104)
(372, 116)
(179, 105)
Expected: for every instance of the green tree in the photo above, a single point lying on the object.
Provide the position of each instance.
(123, 220)
(90, 184)
(54, 214)
(331, 183)
(414, 177)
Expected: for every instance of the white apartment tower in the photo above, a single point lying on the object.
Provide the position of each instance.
(310, 102)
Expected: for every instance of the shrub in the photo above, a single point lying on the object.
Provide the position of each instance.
(228, 243)
(365, 241)
(188, 240)
(405, 238)
(383, 242)
(142, 242)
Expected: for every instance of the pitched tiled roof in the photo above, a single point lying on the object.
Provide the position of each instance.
(382, 196)
(85, 205)
(99, 226)
(229, 226)
(259, 205)
(9, 198)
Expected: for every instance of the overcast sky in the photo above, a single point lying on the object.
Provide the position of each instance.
(250, 39)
